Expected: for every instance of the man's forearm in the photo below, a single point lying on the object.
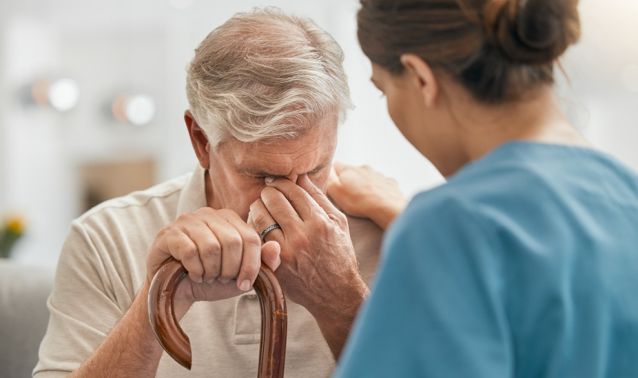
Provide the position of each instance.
(130, 350)
(335, 325)
(335, 332)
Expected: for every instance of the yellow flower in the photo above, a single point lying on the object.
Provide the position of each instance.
(15, 225)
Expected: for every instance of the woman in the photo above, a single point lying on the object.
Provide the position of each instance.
(525, 263)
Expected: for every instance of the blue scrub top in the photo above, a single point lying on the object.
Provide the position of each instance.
(525, 264)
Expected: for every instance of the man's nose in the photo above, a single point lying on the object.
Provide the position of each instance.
(293, 178)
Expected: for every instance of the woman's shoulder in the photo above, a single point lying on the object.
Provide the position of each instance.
(479, 191)
(459, 224)
(441, 231)
(481, 206)
(437, 216)
(513, 185)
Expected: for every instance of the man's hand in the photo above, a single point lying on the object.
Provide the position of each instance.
(318, 263)
(221, 253)
(364, 192)
(217, 248)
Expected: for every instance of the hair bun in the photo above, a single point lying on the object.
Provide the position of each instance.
(532, 31)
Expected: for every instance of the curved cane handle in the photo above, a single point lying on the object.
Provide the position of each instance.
(274, 316)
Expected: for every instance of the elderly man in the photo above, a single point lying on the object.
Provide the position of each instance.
(266, 94)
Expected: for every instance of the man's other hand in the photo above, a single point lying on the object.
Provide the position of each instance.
(220, 251)
(319, 267)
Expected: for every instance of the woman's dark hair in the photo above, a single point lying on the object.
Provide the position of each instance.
(497, 49)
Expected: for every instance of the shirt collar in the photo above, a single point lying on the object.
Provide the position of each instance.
(193, 196)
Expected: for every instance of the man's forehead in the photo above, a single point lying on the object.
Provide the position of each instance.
(281, 157)
(265, 162)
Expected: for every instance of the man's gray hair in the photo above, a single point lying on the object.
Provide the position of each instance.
(266, 75)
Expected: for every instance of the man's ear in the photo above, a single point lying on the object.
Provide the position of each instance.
(198, 139)
(422, 75)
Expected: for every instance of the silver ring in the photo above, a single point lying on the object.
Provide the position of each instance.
(267, 230)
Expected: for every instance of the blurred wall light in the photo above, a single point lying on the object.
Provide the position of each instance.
(60, 94)
(136, 110)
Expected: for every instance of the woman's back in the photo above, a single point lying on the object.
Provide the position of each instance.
(524, 264)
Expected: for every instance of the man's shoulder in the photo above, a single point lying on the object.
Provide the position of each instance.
(120, 231)
(363, 228)
(164, 195)
(163, 192)
(366, 239)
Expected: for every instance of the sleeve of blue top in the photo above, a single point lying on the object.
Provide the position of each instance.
(436, 309)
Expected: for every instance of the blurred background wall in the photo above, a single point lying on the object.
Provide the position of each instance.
(54, 164)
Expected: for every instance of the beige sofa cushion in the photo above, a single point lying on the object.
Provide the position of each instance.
(23, 316)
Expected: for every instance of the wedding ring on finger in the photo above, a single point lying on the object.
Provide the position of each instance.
(268, 230)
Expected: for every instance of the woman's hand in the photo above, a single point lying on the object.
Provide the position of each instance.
(364, 192)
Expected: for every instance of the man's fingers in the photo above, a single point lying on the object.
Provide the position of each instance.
(260, 219)
(301, 201)
(251, 253)
(270, 254)
(182, 248)
(279, 208)
(317, 195)
(208, 247)
(231, 247)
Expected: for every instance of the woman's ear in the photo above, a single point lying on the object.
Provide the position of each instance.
(199, 140)
(422, 76)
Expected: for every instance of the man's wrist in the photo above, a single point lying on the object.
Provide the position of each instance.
(345, 310)
(335, 322)
(130, 349)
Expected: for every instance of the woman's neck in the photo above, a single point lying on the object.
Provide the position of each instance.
(537, 119)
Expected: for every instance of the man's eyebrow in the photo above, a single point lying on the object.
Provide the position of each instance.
(319, 167)
(259, 172)
(256, 172)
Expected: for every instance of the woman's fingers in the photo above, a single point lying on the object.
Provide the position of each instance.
(333, 179)
(338, 167)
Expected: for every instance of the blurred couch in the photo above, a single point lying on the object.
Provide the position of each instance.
(23, 316)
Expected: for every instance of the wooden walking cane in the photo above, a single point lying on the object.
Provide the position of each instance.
(274, 316)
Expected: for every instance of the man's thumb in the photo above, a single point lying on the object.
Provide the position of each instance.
(270, 254)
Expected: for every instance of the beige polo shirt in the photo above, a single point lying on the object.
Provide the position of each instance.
(102, 267)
